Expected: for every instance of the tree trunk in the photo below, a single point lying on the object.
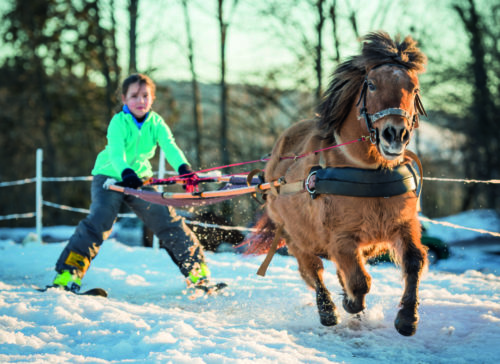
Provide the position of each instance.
(479, 151)
(132, 8)
(333, 17)
(114, 47)
(223, 102)
(104, 62)
(197, 109)
(319, 48)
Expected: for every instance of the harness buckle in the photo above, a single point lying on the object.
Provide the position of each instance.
(310, 184)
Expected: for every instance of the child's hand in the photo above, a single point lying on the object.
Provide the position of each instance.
(190, 177)
(130, 179)
(192, 183)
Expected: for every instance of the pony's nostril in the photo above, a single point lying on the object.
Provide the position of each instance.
(405, 135)
(389, 134)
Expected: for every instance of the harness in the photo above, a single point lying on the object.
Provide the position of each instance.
(357, 182)
(362, 182)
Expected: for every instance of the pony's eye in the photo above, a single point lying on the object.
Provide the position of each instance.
(371, 86)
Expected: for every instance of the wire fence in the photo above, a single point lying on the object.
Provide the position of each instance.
(39, 179)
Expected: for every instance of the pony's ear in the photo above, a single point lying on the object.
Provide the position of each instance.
(419, 106)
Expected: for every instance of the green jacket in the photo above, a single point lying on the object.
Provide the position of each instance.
(129, 147)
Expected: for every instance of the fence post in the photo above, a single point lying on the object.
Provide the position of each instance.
(38, 214)
(161, 174)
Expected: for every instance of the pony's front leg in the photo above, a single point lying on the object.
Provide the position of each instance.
(311, 270)
(413, 261)
(328, 315)
(353, 277)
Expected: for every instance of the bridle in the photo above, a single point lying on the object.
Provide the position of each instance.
(371, 119)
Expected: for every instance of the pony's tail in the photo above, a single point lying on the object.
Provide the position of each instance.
(260, 241)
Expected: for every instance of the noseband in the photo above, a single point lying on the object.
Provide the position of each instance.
(371, 119)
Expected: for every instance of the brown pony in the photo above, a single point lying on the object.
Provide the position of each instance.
(375, 93)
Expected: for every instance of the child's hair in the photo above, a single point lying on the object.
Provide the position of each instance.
(142, 79)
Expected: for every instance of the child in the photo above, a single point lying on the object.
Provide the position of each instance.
(133, 135)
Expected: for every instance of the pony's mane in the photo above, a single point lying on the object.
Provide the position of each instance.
(378, 48)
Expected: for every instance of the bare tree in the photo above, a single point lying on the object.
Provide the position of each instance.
(110, 73)
(482, 148)
(197, 110)
(133, 7)
(319, 47)
(224, 125)
(335, 36)
(113, 41)
(353, 21)
(223, 102)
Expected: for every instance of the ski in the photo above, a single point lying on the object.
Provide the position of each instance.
(212, 289)
(91, 292)
(195, 292)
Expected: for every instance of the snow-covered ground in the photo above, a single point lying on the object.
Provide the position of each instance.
(148, 319)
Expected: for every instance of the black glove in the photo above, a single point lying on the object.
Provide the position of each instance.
(130, 179)
(185, 171)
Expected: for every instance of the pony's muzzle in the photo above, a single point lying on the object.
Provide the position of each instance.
(354, 306)
(393, 140)
(394, 134)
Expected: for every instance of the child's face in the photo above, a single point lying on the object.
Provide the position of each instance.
(139, 99)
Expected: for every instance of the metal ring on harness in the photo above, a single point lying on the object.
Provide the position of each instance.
(312, 191)
(257, 187)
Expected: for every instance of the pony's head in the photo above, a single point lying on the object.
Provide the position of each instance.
(382, 84)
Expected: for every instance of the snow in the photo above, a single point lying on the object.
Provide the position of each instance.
(147, 318)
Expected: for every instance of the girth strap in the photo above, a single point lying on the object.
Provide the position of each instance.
(365, 182)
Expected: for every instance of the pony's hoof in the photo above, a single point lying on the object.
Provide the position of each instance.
(328, 315)
(329, 318)
(406, 323)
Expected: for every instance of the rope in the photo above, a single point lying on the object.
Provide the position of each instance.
(449, 224)
(362, 139)
(67, 179)
(45, 179)
(197, 223)
(220, 227)
(89, 178)
(184, 176)
(240, 228)
(493, 181)
(18, 182)
(76, 209)
(18, 216)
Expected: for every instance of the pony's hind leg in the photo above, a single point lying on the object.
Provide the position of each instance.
(413, 261)
(311, 270)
